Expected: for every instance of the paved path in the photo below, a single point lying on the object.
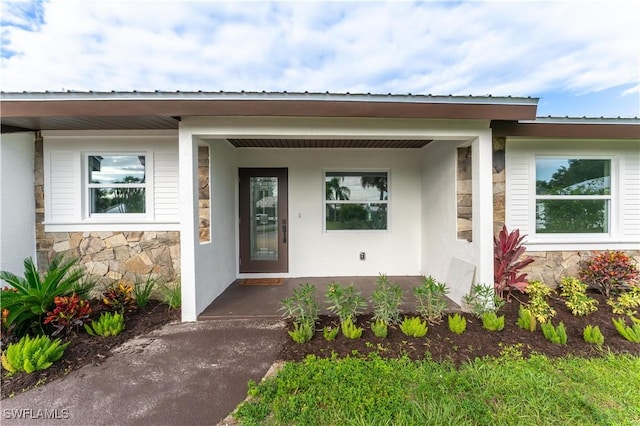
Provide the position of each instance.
(182, 374)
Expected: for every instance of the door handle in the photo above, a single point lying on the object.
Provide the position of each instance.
(284, 231)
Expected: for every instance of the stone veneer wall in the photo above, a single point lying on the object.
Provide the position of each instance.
(203, 194)
(548, 266)
(108, 256)
(464, 194)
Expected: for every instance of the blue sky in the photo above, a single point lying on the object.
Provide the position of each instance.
(580, 57)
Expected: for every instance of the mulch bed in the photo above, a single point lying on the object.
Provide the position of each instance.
(85, 349)
(442, 345)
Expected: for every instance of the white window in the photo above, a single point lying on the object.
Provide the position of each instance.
(572, 195)
(356, 200)
(116, 184)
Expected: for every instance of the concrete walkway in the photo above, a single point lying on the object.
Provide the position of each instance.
(182, 374)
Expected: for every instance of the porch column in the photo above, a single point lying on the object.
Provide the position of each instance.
(483, 206)
(187, 153)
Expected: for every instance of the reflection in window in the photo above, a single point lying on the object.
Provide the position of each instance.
(572, 195)
(356, 200)
(116, 184)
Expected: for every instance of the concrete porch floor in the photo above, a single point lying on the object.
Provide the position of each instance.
(242, 301)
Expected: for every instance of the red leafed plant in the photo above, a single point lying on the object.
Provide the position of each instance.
(70, 311)
(507, 250)
(608, 270)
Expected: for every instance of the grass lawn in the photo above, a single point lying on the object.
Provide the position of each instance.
(508, 390)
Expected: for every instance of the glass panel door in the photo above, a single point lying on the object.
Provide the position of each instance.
(264, 212)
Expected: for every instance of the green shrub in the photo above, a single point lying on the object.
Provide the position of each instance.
(70, 312)
(31, 354)
(632, 333)
(345, 302)
(482, 299)
(431, 299)
(414, 327)
(33, 296)
(386, 300)
(302, 307)
(379, 328)
(172, 294)
(608, 270)
(302, 332)
(592, 334)
(330, 333)
(457, 323)
(350, 330)
(118, 296)
(538, 304)
(627, 302)
(109, 324)
(575, 291)
(492, 322)
(526, 320)
(557, 335)
(142, 289)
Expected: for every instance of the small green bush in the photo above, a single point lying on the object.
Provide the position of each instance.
(31, 354)
(386, 300)
(431, 299)
(142, 289)
(538, 304)
(575, 291)
(627, 302)
(350, 330)
(557, 335)
(414, 327)
(109, 324)
(492, 322)
(345, 302)
(592, 334)
(526, 320)
(302, 332)
(457, 323)
(172, 294)
(632, 333)
(330, 333)
(379, 328)
(482, 299)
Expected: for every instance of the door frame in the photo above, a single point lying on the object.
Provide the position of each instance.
(246, 265)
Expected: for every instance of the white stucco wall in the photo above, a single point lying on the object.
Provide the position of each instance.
(17, 201)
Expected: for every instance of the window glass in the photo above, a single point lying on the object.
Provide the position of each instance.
(117, 183)
(356, 200)
(572, 177)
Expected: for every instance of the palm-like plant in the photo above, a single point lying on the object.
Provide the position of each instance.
(335, 191)
(33, 295)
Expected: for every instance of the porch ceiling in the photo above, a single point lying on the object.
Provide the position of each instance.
(328, 143)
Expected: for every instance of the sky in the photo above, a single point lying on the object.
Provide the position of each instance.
(581, 58)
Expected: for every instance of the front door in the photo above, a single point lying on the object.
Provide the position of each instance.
(263, 220)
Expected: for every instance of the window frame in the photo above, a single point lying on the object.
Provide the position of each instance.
(117, 217)
(355, 171)
(611, 199)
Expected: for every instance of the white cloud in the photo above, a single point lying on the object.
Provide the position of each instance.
(476, 48)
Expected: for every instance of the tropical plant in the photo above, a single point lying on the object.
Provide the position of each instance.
(70, 312)
(85, 285)
(492, 322)
(526, 319)
(482, 299)
(142, 289)
(557, 335)
(608, 270)
(414, 327)
(457, 323)
(301, 333)
(172, 294)
(538, 304)
(109, 324)
(431, 299)
(33, 296)
(350, 330)
(592, 334)
(631, 333)
(507, 263)
(302, 307)
(577, 301)
(118, 296)
(379, 328)
(330, 333)
(386, 300)
(627, 302)
(31, 354)
(345, 302)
